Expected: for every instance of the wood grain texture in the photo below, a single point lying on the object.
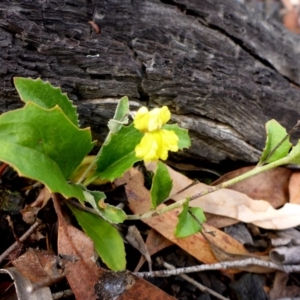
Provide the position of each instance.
(221, 69)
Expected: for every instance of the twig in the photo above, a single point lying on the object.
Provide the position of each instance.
(222, 266)
(200, 286)
(16, 244)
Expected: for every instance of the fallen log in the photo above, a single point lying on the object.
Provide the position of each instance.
(221, 69)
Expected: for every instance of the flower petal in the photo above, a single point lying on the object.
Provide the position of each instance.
(158, 117)
(147, 148)
(141, 119)
(151, 120)
(169, 142)
(155, 145)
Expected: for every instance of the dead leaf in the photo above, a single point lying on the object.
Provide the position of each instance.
(222, 254)
(144, 290)
(294, 188)
(135, 239)
(154, 242)
(280, 289)
(272, 186)
(23, 285)
(83, 273)
(291, 20)
(219, 221)
(196, 245)
(37, 265)
(233, 204)
(29, 213)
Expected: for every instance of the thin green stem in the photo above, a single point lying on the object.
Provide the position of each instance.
(154, 213)
(178, 204)
(255, 171)
(92, 165)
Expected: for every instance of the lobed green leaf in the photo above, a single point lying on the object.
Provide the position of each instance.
(33, 164)
(45, 95)
(44, 145)
(275, 134)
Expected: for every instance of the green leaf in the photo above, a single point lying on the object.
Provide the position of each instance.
(38, 166)
(43, 144)
(107, 240)
(161, 185)
(275, 134)
(294, 155)
(121, 116)
(45, 95)
(183, 135)
(189, 221)
(108, 212)
(118, 155)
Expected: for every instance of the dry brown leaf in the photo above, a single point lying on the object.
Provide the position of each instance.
(291, 20)
(196, 245)
(144, 290)
(134, 238)
(154, 242)
(280, 289)
(82, 273)
(219, 221)
(22, 287)
(294, 188)
(233, 204)
(84, 276)
(271, 186)
(29, 213)
(37, 265)
(290, 4)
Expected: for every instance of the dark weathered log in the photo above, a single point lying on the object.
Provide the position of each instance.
(223, 71)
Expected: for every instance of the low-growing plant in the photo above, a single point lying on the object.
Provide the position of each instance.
(43, 141)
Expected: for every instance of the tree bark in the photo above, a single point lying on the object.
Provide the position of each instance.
(221, 69)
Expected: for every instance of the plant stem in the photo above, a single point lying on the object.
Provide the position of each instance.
(255, 171)
(178, 204)
(92, 165)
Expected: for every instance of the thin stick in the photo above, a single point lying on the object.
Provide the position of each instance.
(16, 244)
(222, 266)
(200, 286)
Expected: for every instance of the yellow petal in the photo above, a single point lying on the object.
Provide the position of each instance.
(169, 142)
(147, 148)
(158, 117)
(170, 139)
(151, 120)
(155, 145)
(141, 119)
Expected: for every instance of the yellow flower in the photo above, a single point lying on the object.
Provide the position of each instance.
(149, 121)
(156, 141)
